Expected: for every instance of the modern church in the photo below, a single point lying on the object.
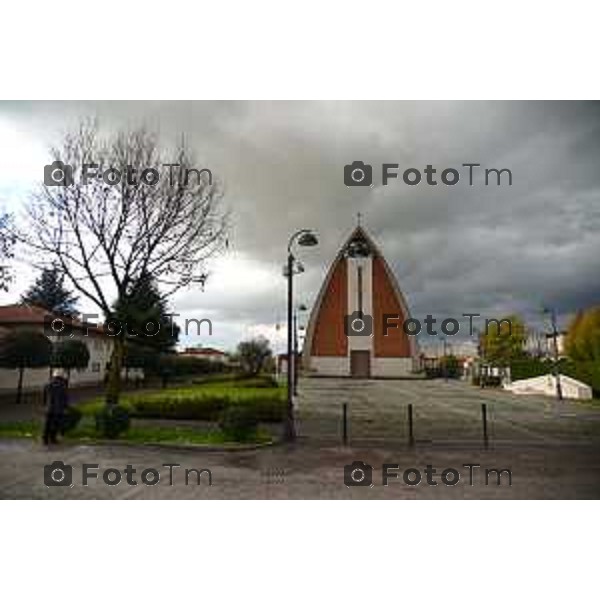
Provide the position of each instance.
(345, 335)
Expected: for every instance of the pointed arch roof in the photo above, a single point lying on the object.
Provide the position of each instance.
(359, 232)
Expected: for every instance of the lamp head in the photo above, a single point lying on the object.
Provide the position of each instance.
(308, 238)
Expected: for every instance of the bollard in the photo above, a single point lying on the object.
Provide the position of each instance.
(484, 420)
(345, 423)
(411, 437)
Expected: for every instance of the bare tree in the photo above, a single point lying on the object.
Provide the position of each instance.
(7, 240)
(120, 208)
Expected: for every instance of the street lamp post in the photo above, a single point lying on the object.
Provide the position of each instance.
(299, 309)
(556, 368)
(304, 237)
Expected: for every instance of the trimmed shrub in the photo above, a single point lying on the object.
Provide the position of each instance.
(71, 418)
(112, 421)
(239, 422)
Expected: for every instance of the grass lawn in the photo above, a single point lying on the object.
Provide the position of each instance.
(200, 401)
(176, 435)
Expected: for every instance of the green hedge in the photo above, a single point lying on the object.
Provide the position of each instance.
(530, 367)
(261, 381)
(204, 404)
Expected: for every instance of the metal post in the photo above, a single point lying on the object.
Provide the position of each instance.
(484, 419)
(559, 394)
(345, 423)
(295, 361)
(445, 363)
(290, 430)
(411, 437)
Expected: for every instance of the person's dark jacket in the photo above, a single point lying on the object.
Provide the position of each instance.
(56, 397)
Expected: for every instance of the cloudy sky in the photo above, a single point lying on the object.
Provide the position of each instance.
(485, 249)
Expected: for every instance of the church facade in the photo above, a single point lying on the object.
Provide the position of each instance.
(355, 327)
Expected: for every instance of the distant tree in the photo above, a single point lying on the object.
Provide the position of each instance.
(24, 349)
(505, 342)
(146, 313)
(49, 292)
(70, 354)
(449, 365)
(7, 241)
(253, 355)
(583, 336)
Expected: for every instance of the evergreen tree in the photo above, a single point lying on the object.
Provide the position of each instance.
(49, 292)
(70, 354)
(145, 312)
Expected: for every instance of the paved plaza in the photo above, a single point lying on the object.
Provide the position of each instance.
(551, 451)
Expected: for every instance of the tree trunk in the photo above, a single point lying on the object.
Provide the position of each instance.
(20, 385)
(114, 375)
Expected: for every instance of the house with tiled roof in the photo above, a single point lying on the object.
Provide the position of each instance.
(56, 328)
(212, 354)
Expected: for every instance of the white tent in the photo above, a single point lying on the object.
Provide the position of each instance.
(546, 385)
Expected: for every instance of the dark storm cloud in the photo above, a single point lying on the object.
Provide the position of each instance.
(454, 249)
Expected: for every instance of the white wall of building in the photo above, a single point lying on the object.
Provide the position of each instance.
(330, 366)
(100, 349)
(391, 367)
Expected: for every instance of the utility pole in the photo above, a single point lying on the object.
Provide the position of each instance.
(556, 367)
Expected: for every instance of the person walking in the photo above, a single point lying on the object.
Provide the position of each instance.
(56, 398)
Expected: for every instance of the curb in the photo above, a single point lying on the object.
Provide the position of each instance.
(167, 445)
(233, 447)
